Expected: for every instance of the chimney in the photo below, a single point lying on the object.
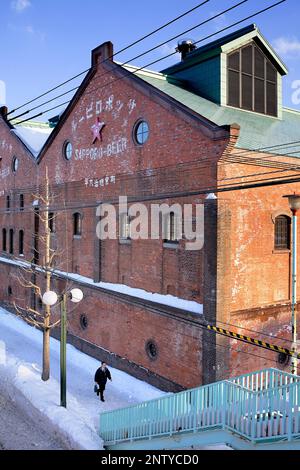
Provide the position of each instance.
(103, 52)
(3, 111)
(185, 47)
(2, 93)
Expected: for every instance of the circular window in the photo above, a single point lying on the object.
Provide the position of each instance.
(84, 322)
(283, 358)
(151, 349)
(68, 150)
(141, 132)
(15, 164)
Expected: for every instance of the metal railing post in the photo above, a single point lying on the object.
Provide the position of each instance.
(224, 401)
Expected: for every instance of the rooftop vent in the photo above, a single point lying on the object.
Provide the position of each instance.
(185, 46)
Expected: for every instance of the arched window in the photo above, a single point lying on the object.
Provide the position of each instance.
(4, 239)
(21, 242)
(282, 233)
(77, 224)
(124, 226)
(51, 222)
(11, 241)
(171, 228)
(21, 202)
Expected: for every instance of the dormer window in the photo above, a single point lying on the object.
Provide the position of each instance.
(252, 81)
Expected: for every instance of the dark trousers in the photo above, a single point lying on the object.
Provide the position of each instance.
(101, 391)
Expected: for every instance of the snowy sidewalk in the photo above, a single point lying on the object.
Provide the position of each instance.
(20, 372)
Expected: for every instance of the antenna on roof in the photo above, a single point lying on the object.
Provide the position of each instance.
(185, 46)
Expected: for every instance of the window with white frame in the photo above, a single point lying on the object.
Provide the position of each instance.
(171, 228)
(124, 226)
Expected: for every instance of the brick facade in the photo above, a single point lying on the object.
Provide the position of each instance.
(233, 276)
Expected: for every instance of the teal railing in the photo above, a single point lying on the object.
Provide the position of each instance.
(261, 406)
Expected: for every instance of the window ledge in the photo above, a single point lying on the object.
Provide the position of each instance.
(172, 245)
(76, 237)
(278, 251)
(125, 241)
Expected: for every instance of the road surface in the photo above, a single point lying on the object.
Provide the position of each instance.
(18, 432)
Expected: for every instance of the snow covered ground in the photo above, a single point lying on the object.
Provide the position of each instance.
(20, 371)
(77, 426)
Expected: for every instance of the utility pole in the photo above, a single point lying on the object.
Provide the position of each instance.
(294, 362)
(294, 203)
(63, 351)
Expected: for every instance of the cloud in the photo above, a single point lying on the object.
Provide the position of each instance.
(40, 35)
(287, 47)
(29, 29)
(20, 5)
(167, 49)
(220, 21)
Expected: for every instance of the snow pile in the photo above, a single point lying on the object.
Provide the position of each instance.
(20, 371)
(33, 137)
(170, 300)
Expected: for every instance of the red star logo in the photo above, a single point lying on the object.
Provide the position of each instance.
(97, 129)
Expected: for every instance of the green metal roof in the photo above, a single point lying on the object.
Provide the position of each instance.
(222, 44)
(257, 130)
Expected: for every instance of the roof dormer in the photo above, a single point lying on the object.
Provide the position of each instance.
(240, 70)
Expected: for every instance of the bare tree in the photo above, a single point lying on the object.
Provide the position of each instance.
(38, 277)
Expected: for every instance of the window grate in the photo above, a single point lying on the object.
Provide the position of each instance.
(282, 232)
(252, 81)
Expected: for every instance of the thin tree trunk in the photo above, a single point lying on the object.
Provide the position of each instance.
(46, 355)
(46, 332)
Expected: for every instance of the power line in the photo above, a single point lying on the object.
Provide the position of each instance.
(209, 327)
(112, 56)
(140, 55)
(217, 321)
(205, 162)
(129, 73)
(173, 195)
(254, 342)
(254, 331)
(162, 196)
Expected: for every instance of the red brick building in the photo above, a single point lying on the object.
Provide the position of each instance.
(211, 122)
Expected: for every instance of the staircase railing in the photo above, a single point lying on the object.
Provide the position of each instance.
(259, 406)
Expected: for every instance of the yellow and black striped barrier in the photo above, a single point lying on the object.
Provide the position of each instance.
(255, 342)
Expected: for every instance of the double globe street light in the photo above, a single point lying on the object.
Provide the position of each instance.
(50, 298)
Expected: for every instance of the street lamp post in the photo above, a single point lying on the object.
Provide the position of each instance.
(294, 203)
(63, 351)
(50, 298)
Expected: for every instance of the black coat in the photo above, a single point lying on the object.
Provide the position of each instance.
(101, 376)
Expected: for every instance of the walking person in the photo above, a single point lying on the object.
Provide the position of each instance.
(101, 376)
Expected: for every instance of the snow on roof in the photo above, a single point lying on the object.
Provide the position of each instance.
(33, 135)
